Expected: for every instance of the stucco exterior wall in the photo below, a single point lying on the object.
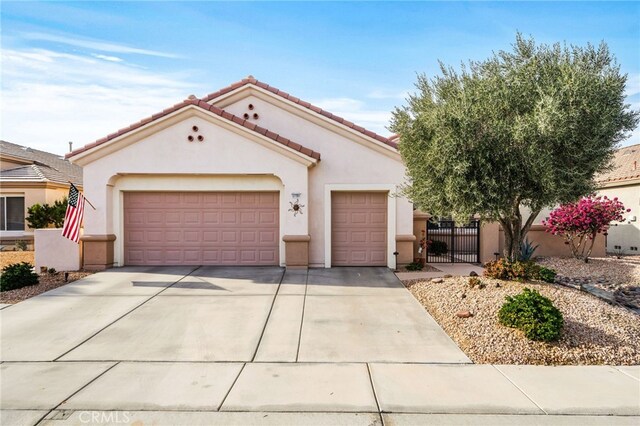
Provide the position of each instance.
(625, 234)
(52, 250)
(346, 159)
(166, 161)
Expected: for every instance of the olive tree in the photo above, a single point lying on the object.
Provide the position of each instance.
(528, 128)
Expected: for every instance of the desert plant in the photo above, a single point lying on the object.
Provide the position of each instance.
(527, 249)
(476, 282)
(415, 266)
(437, 248)
(499, 269)
(522, 271)
(21, 245)
(17, 275)
(580, 222)
(52, 271)
(502, 269)
(533, 314)
(547, 275)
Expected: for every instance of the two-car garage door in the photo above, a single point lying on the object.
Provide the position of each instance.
(201, 228)
(242, 228)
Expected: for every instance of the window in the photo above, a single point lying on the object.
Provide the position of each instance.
(11, 213)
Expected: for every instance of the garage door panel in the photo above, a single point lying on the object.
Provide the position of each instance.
(268, 237)
(210, 237)
(378, 218)
(209, 217)
(359, 228)
(201, 228)
(154, 218)
(378, 256)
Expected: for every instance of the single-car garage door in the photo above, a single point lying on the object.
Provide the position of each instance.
(358, 228)
(201, 228)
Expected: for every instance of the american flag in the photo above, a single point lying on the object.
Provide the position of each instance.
(74, 215)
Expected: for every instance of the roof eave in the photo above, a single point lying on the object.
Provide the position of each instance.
(229, 97)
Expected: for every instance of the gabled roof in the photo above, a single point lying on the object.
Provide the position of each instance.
(199, 103)
(250, 80)
(626, 166)
(44, 166)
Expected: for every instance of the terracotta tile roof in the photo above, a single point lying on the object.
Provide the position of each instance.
(285, 95)
(626, 165)
(53, 166)
(215, 110)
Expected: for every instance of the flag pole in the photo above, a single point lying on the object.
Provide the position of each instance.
(85, 198)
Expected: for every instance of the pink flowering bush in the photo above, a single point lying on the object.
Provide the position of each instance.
(580, 222)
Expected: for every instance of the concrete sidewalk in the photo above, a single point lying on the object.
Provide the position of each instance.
(65, 393)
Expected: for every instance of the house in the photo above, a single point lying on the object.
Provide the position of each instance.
(27, 177)
(248, 175)
(623, 181)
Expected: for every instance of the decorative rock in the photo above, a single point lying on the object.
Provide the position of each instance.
(437, 280)
(464, 314)
(463, 296)
(498, 285)
(473, 274)
(447, 276)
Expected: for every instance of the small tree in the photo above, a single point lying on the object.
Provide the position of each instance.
(43, 216)
(530, 127)
(579, 223)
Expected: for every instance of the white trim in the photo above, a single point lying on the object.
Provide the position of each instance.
(364, 187)
(92, 154)
(186, 183)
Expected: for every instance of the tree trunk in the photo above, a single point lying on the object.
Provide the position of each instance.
(515, 232)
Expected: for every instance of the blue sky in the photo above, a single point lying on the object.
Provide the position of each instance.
(77, 71)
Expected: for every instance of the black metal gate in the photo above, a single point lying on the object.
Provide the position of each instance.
(451, 243)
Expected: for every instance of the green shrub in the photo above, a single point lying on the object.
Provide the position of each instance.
(43, 216)
(533, 314)
(499, 269)
(438, 248)
(415, 266)
(21, 245)
(547, 275)
(502, 269)
(17, 275)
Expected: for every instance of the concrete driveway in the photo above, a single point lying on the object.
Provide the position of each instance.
(187, 345)
(227, 314)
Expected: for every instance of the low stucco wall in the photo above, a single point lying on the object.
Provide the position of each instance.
(553, 245)
(492, 241)
(55, 251)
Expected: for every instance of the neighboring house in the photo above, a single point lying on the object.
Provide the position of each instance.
(248, 175)
(27, 177)
(623, 181)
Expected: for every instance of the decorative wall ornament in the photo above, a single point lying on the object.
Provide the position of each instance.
(296, 207)
(191, 138)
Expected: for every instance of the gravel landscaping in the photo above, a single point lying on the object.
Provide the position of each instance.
(11, 257)
(595, 332)
(611, 278)
(46, 282)
(608, 273)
